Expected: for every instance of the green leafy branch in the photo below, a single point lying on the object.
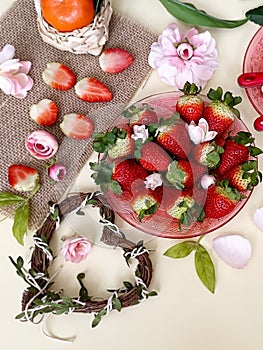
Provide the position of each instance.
(188, 13)
(203, 263)
(22, 211)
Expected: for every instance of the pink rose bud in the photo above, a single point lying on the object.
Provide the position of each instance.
(41, 144)
(76, 249)
(57, 172)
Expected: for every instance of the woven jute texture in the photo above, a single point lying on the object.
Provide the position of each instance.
(18, 27)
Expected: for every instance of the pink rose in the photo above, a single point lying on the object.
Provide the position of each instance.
(41, 144)
(57, 172)
(76, 249)
(13, 73)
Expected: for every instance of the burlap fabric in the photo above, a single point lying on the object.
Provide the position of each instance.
(18, 27)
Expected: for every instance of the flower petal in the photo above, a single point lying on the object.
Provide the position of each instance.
(258, 218)
(233, 249)
(7, 53)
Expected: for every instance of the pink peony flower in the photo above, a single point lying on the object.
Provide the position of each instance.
(41, 144)
(152, 181)
(57, 172)
(75, 249)
(140, 132)
(179, 57)
(13, 73)
(200, 133)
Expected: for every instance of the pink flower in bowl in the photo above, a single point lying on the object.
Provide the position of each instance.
(179, 57)
(41, 144)
(13, 73)
(76, 249)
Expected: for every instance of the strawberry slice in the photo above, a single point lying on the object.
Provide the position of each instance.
(22, 178)
(114, 60)
(45, 112)
(59, 76)
(77, 126)
(92, 90)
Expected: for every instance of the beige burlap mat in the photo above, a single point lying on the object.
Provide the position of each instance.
(18, 27)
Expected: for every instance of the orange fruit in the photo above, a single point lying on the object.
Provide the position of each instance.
(67, 15)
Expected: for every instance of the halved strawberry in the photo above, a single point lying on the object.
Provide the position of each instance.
(45, 112)
(22, 178)
(59, 76)
(114, 60)
(92, 90)
(190, 105)
(77, 126)
(154, 158)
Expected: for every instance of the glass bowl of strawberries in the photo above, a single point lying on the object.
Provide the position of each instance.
(178, 164)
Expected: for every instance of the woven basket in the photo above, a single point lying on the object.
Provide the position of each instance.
(89, 39)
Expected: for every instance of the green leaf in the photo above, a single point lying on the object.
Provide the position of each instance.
(181, 250)
(256, 15)
(188, 13)
(7, 198)
(117, 304)
(205, 268)
(21, 222)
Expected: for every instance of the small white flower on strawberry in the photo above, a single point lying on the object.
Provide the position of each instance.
(153, 181)
(207, 181)
(200, 133)
(22, 178)
(140, 132)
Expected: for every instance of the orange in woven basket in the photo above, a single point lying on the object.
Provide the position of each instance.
(67, 15)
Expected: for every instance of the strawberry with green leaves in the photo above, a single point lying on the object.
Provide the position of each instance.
(179, 174)
(207, 154)
(180, 205)
(190, 106)
(244, 176)
(153, 157)
(173, 136)
(142, 115)
(221, 199)
(237, 150)
(220, 113)
(115, 143)
(146, 202)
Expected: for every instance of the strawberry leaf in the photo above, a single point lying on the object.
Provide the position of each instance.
(181, 250)
(103, 177)
(205, 268)
(20, 224)
(7, 198)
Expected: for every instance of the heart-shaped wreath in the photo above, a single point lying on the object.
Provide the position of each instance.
(39, 298)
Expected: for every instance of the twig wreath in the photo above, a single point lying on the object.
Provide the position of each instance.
(39, 298)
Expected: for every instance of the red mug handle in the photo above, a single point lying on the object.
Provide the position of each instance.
(250, 79)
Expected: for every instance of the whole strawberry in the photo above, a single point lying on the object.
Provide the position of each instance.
(116, 143)
(143, 115)
(244, 176)
(190, 106)
(237, 150)
(146, 202)
(220, 113)
(221, 200)
(180, 174)
(154, 158)
(207, 154)
(173, 136)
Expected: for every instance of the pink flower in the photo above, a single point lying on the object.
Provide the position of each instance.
(140, 132)
(13, 73)
(75, 249)
(152, 181)
(57, 172)
(41, 144)
(207, 181)
(200, 133)
(179, 57)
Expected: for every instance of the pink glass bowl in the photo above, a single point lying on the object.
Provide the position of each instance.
(158, 225)
(253, 62)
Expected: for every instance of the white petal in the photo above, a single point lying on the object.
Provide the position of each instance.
(7, 53)
(233, 249)
(258, 218)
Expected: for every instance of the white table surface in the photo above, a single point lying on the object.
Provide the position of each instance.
(184, 315)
